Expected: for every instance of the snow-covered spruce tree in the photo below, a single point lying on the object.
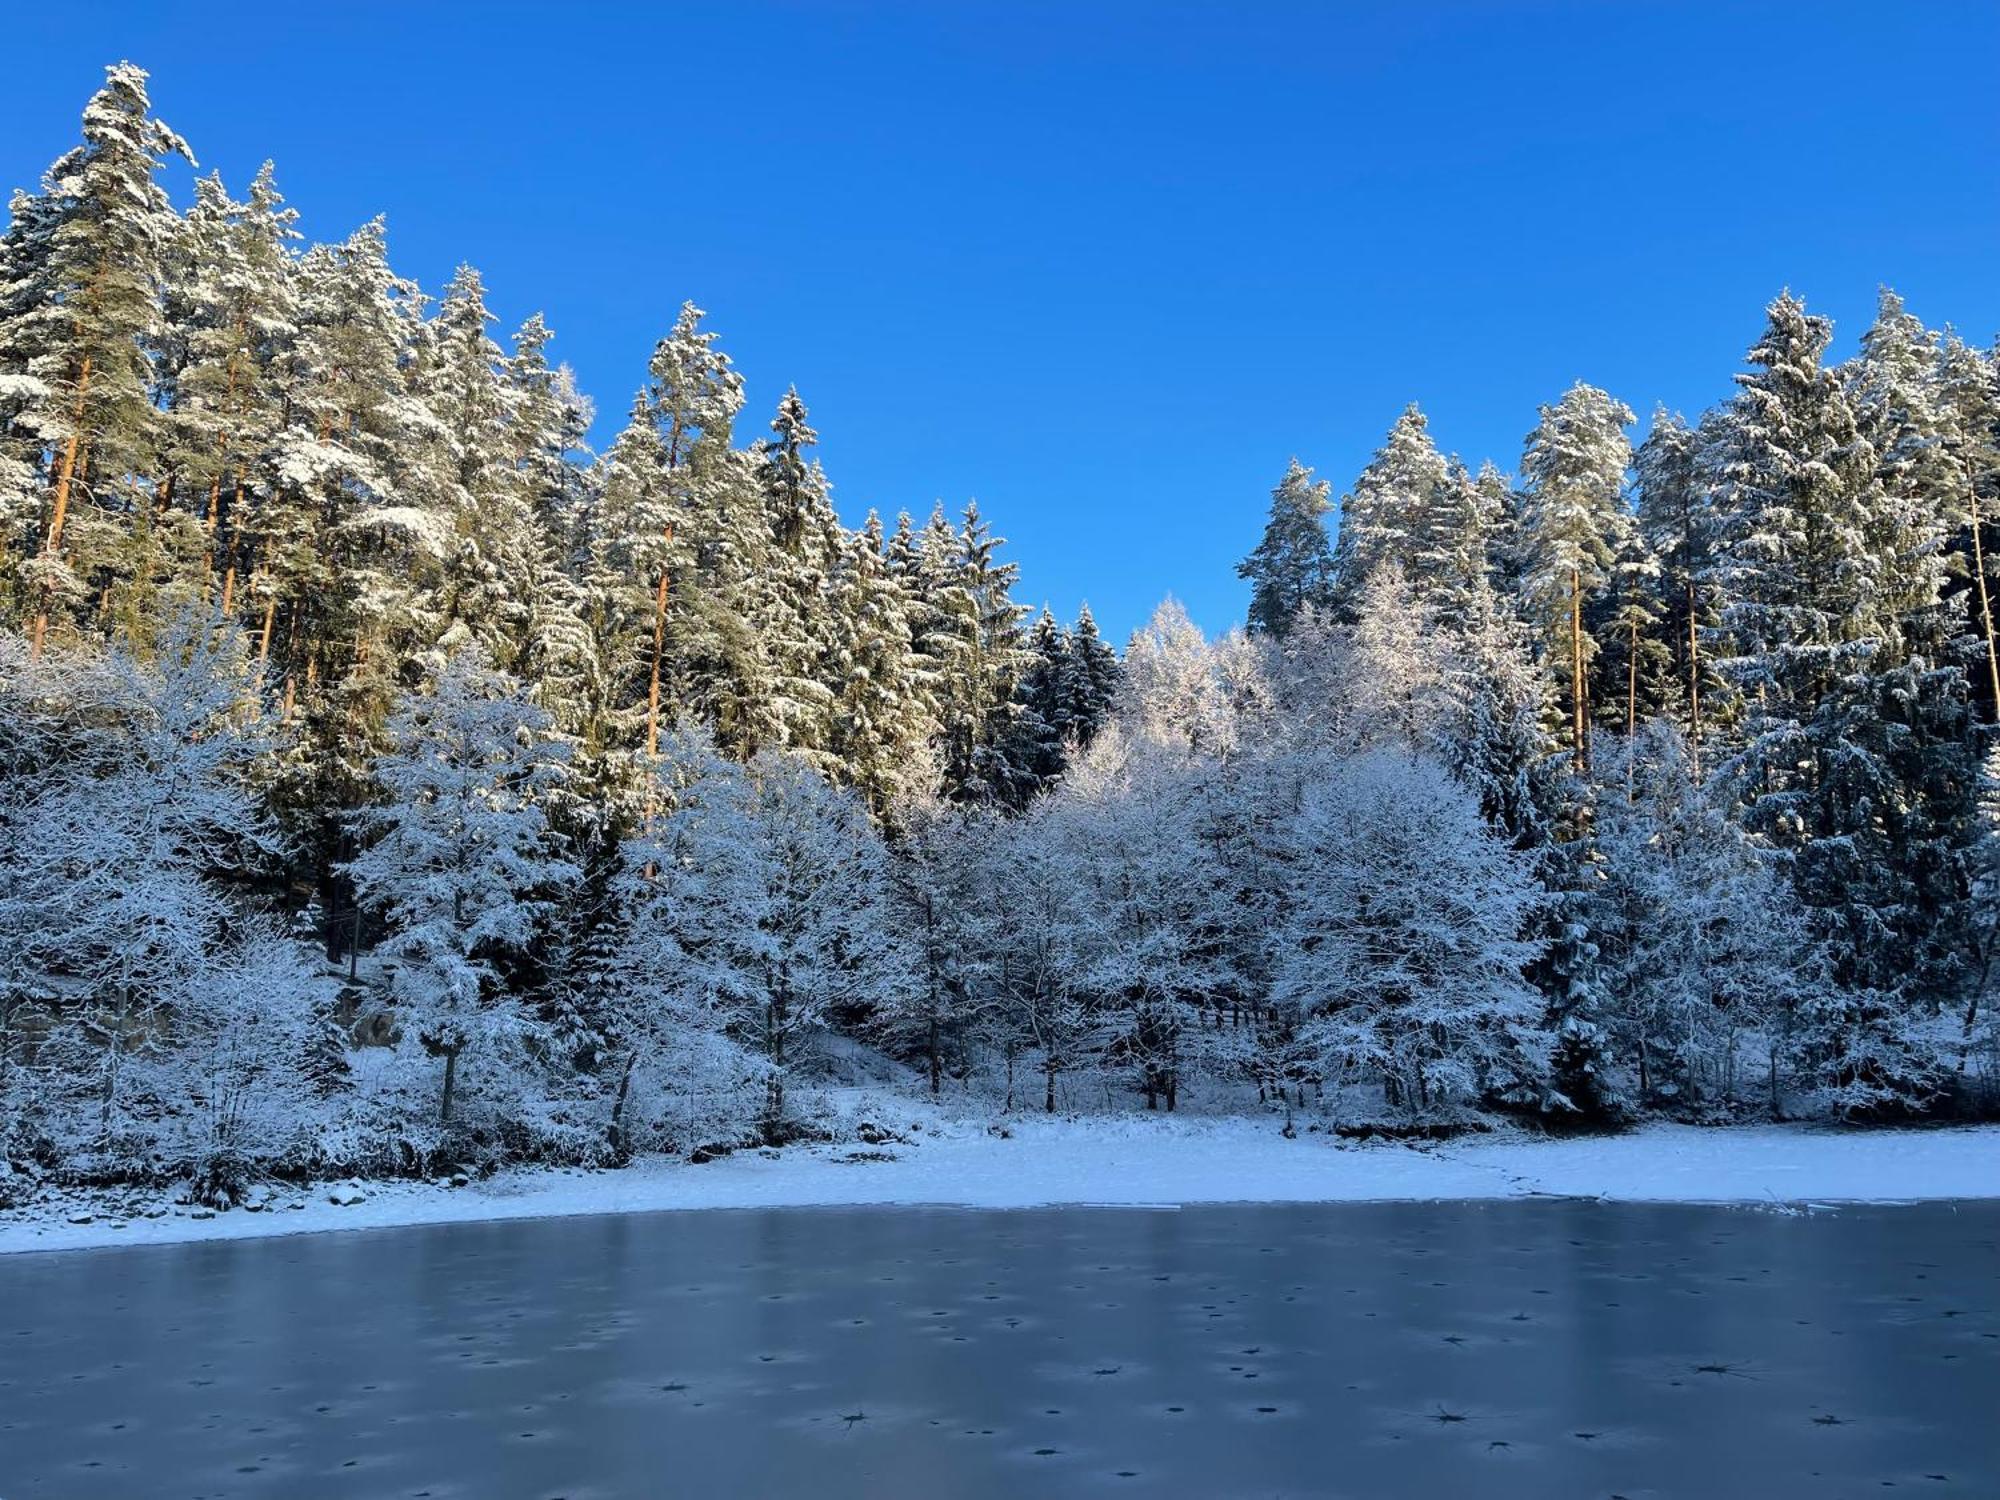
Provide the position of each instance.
(677, 1077)
(1401, 509)
(1037, 740)
(1574, 525)
(765, 891)
(1708, 957)
(1633, 675)
(459, 863)
(1089, 683)
(793, 621)
(153, 1022)
(884, 717)
(1403, 946)
(1900, 411)
(1292, 567)
(1859, 754)
(968, 627)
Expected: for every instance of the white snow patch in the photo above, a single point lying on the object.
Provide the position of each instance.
(1123, 1162)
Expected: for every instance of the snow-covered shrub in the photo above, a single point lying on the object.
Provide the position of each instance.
(1402, 949)
(156, 1023)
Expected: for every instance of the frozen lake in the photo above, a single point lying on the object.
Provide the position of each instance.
(1480, 1349)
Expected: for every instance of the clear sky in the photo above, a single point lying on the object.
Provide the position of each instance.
(1105, 267)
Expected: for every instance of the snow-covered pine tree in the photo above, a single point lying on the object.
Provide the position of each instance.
(1677, 525)
(1573, 527)
(969, 627)
(1397, 510)
(1970, 385)
(232, 311)
(76, 348)
(884, 721)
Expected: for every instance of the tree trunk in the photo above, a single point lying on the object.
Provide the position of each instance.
(618, 1142)
(450, 1084)
(1694, 685)
(936, 1057)
(1985, 608)
(231, 546)
(52, 549)
(1049, 1078)
(1581, 729)
(659, 655)
(1632, 683)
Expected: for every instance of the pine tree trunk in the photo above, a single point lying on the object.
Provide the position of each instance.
(52, 549)
(1581, 728)
(264, 635)
(936, 1058)
(1985, 607)
(659, 657)
(1632, 684)
(1694, 685)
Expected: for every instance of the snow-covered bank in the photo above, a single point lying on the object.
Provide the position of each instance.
(1113, 1162)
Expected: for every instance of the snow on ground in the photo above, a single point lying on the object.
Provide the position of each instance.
(1108, 1161)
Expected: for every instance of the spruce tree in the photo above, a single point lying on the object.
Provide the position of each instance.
(1292, 567)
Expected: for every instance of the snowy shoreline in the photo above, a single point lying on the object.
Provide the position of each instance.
(1100, 1163)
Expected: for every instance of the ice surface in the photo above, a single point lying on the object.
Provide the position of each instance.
(1500, 1349)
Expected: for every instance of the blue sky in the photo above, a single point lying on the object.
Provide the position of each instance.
(1106, 267)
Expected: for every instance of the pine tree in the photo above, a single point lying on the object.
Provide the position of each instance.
(1677, 526)
(233, 307)
(1396, 511)
(1971, 392)
(78, 344)
(968, 627)
(1573, 527)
